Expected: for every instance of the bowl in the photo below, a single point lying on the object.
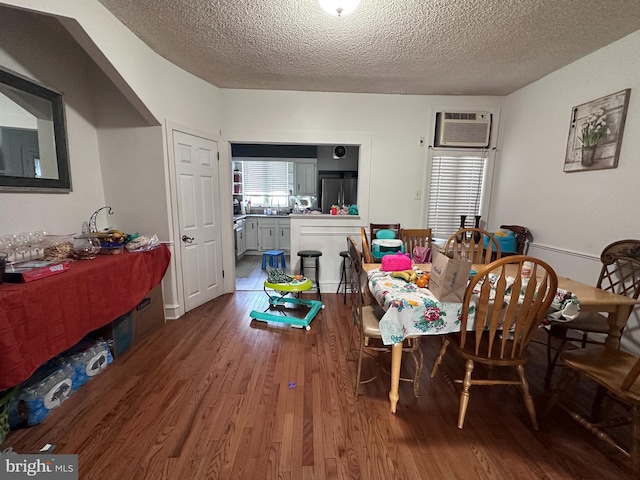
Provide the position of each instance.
(111, 248)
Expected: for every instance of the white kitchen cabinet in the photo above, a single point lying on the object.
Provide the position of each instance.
(274, 234)
(283, 234)
(251, 233)
(241, 247)
(306, 174)
(267, 229)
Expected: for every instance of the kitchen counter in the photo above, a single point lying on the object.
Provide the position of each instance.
(261, 215)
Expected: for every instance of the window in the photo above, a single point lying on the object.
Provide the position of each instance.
(267, 182)
(457, 187)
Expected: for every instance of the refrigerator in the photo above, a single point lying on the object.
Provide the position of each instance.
(338, 191)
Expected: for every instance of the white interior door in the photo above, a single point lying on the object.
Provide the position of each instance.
(196, 160)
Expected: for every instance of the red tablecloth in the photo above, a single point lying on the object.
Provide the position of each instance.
(40, 319)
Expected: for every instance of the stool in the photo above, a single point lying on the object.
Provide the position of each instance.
(315, 254)
(343, 274)
(274, 256)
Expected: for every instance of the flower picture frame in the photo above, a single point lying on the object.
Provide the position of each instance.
(595, 133)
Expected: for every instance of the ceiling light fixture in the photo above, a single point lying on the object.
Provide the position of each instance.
(339, 8)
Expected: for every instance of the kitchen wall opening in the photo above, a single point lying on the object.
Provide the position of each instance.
(272, 181)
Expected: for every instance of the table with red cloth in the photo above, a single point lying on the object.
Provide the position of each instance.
(42, 318)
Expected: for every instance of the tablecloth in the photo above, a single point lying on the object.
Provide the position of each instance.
(40, 319)
(410, 310)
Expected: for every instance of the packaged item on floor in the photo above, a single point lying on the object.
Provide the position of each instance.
(88, 359)
(44, 391)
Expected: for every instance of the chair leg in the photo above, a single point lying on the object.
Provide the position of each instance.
(359, 367)
(526, 395)
(561, 388)
(635, 440)
(552, 364)
(438, 360)
(464, 395)
(418, 359)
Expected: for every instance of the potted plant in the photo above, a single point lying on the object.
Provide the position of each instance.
(593, 129)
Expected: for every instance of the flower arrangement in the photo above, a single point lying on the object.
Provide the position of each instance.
(594, 128)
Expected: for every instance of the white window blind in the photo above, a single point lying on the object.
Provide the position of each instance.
(269, 178)
(455, 189)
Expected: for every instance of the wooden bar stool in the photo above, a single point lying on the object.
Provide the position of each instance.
(314, 254)
(343, 274)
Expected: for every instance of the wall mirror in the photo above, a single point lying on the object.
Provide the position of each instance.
(33, 137)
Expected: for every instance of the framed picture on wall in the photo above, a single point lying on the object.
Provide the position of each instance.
(595, 133)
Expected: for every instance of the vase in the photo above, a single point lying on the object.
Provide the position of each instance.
(476, 235)
(462, 236)
(588, 155)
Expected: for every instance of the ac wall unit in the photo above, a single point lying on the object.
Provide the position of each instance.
(462, 129)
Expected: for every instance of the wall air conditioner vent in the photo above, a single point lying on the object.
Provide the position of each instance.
(463, 129)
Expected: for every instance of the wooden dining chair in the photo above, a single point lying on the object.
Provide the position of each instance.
(616, 372)
(366, 322)
(497, 326)
(414, 237)
(620, 273)
(366, 249)
(366, 318)
(523, 236)
(469, 243)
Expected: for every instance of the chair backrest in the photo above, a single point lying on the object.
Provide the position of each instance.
(416, 237)
(469, 243)
(498, 309)
(522, 236)
(366, 249)
(620, 271)
(374, 227)
(355, 279)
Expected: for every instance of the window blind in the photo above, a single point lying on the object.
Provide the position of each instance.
(455, 189)
(269, 178)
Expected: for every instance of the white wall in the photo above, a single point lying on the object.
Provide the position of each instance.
(105, 135)
(572, 215)
(395, 123)
(31, 48)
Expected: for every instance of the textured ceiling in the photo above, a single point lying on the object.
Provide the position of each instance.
(429, 47)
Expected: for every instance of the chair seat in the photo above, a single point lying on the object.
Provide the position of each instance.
(371, 321)
(309, 253)
(608, 367)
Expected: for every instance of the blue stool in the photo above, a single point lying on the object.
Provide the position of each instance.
(275, 257)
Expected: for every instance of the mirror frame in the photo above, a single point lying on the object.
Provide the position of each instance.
(41, 185)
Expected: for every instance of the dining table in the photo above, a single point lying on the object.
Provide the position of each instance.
(439, 318)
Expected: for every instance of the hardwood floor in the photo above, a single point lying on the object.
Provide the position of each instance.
(214, 395)
(249, 273)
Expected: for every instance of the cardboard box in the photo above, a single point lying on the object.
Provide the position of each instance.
(119, 334)
(148, 316)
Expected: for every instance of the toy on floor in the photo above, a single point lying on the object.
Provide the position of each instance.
(282, 285)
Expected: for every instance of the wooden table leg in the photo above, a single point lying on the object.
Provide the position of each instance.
(396, 359)
(617, 320)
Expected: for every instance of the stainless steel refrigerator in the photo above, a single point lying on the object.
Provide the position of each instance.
(338, 191)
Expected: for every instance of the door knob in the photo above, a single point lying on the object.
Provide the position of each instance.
(187, 239)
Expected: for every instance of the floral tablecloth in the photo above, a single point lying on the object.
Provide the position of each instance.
(410, 310)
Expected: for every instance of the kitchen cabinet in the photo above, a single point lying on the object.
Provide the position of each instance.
(251, 233)
(284, 234)
(274, 234)
(267, 233)
(306, 177)
(241, 246)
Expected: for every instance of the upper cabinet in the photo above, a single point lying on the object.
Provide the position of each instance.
(306, 174)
